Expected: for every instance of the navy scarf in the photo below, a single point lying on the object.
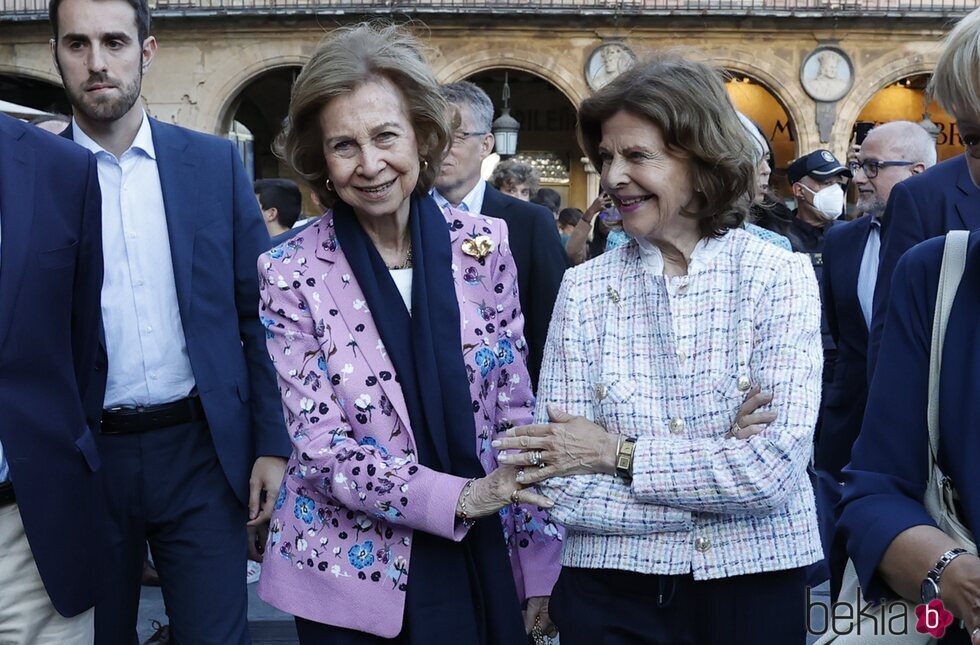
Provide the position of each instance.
(425, 348)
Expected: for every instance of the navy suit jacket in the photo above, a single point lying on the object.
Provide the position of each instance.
(541, 262)
(845, 397)
(216, 235)
(50, 281)
(886, 479)
(942, 199)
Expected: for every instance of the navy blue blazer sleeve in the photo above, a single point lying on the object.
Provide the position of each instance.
(548, 264)
(251, 240)
(903, 228)
(885, 481)
(830, 248)
(86, 316)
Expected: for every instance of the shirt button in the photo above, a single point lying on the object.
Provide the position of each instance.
(702, 544)
(744, 383)
(681, 357)
(138, 283)
(677, 425)
(149, 329)
(601, 391)
(682, 288)
(153, 376)
(132, 236)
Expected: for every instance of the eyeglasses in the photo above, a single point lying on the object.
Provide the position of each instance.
(871, 166)
(460, 136)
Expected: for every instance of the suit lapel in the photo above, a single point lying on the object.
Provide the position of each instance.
(180, 186)
(16, 218)
(352, 307)
(967, 206)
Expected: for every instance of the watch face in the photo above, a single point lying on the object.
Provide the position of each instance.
(929, 590)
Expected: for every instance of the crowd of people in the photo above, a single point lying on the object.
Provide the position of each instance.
(448, 410)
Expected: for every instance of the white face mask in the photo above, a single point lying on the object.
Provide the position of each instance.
(828, 201)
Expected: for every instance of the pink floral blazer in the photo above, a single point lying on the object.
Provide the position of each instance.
(339, 549)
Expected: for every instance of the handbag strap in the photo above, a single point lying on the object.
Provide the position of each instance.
(950, 274)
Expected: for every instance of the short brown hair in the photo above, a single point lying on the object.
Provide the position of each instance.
(510, 172)
(346, 59)
(687, 100)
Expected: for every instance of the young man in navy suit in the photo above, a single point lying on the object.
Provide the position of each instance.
(52, 515)
(891, 153)
(190, 424)
(538, 254)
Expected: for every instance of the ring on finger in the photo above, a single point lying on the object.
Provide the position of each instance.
(535, 458)
(976, 630)
(736, 429)
(520, 477)
(514, 498)
(523, 442)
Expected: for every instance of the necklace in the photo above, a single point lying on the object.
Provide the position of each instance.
(407, 264)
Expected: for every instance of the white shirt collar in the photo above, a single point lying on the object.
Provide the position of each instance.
(701, 256)
(142, 142)
(473, 199)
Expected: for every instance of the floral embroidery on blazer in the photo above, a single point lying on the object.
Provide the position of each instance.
(341, 532)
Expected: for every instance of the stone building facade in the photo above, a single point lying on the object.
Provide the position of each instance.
(215, 52)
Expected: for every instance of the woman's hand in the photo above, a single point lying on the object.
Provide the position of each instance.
(489, 494)
(960, 589)
(536, 617)
(748, 422)
(566, 446)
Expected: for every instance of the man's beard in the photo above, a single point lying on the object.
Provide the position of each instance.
(105, 109)
(871, 205)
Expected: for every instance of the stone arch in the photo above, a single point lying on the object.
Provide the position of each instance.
(215, 110)
(528, 61)
(876, 78)
(784, 87)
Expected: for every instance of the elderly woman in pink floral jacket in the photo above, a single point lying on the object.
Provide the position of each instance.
(397, 336)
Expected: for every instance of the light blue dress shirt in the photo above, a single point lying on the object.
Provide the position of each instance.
(148, 362)
(868, 274)
(473, 202)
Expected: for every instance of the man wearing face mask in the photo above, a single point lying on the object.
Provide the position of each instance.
(818, 185)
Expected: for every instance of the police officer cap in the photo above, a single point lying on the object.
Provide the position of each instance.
(819, 164)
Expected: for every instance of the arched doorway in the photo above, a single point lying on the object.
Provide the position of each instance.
(34, 93)
(756, 101)
(905, 100)
(547, 135)
(255, 119)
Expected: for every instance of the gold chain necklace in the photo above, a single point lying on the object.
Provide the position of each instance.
(407, 264)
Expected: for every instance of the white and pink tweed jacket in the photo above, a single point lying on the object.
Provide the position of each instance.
(670, 364)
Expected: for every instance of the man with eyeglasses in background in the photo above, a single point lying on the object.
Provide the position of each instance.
(942, 199)
(538, 254)
(890, 153)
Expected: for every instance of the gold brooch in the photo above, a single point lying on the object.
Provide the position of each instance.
(478, 247)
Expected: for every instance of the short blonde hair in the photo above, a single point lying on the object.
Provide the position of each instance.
(955, 85)
(687, 100)
(346, 59)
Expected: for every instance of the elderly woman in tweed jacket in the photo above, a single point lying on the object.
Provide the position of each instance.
(687, 522)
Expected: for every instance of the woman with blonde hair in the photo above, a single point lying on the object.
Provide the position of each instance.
(397, 337)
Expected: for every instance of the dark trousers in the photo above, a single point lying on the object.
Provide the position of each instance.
(166, 487)
(607, 607)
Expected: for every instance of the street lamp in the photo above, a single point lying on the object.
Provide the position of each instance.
(506, 127)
